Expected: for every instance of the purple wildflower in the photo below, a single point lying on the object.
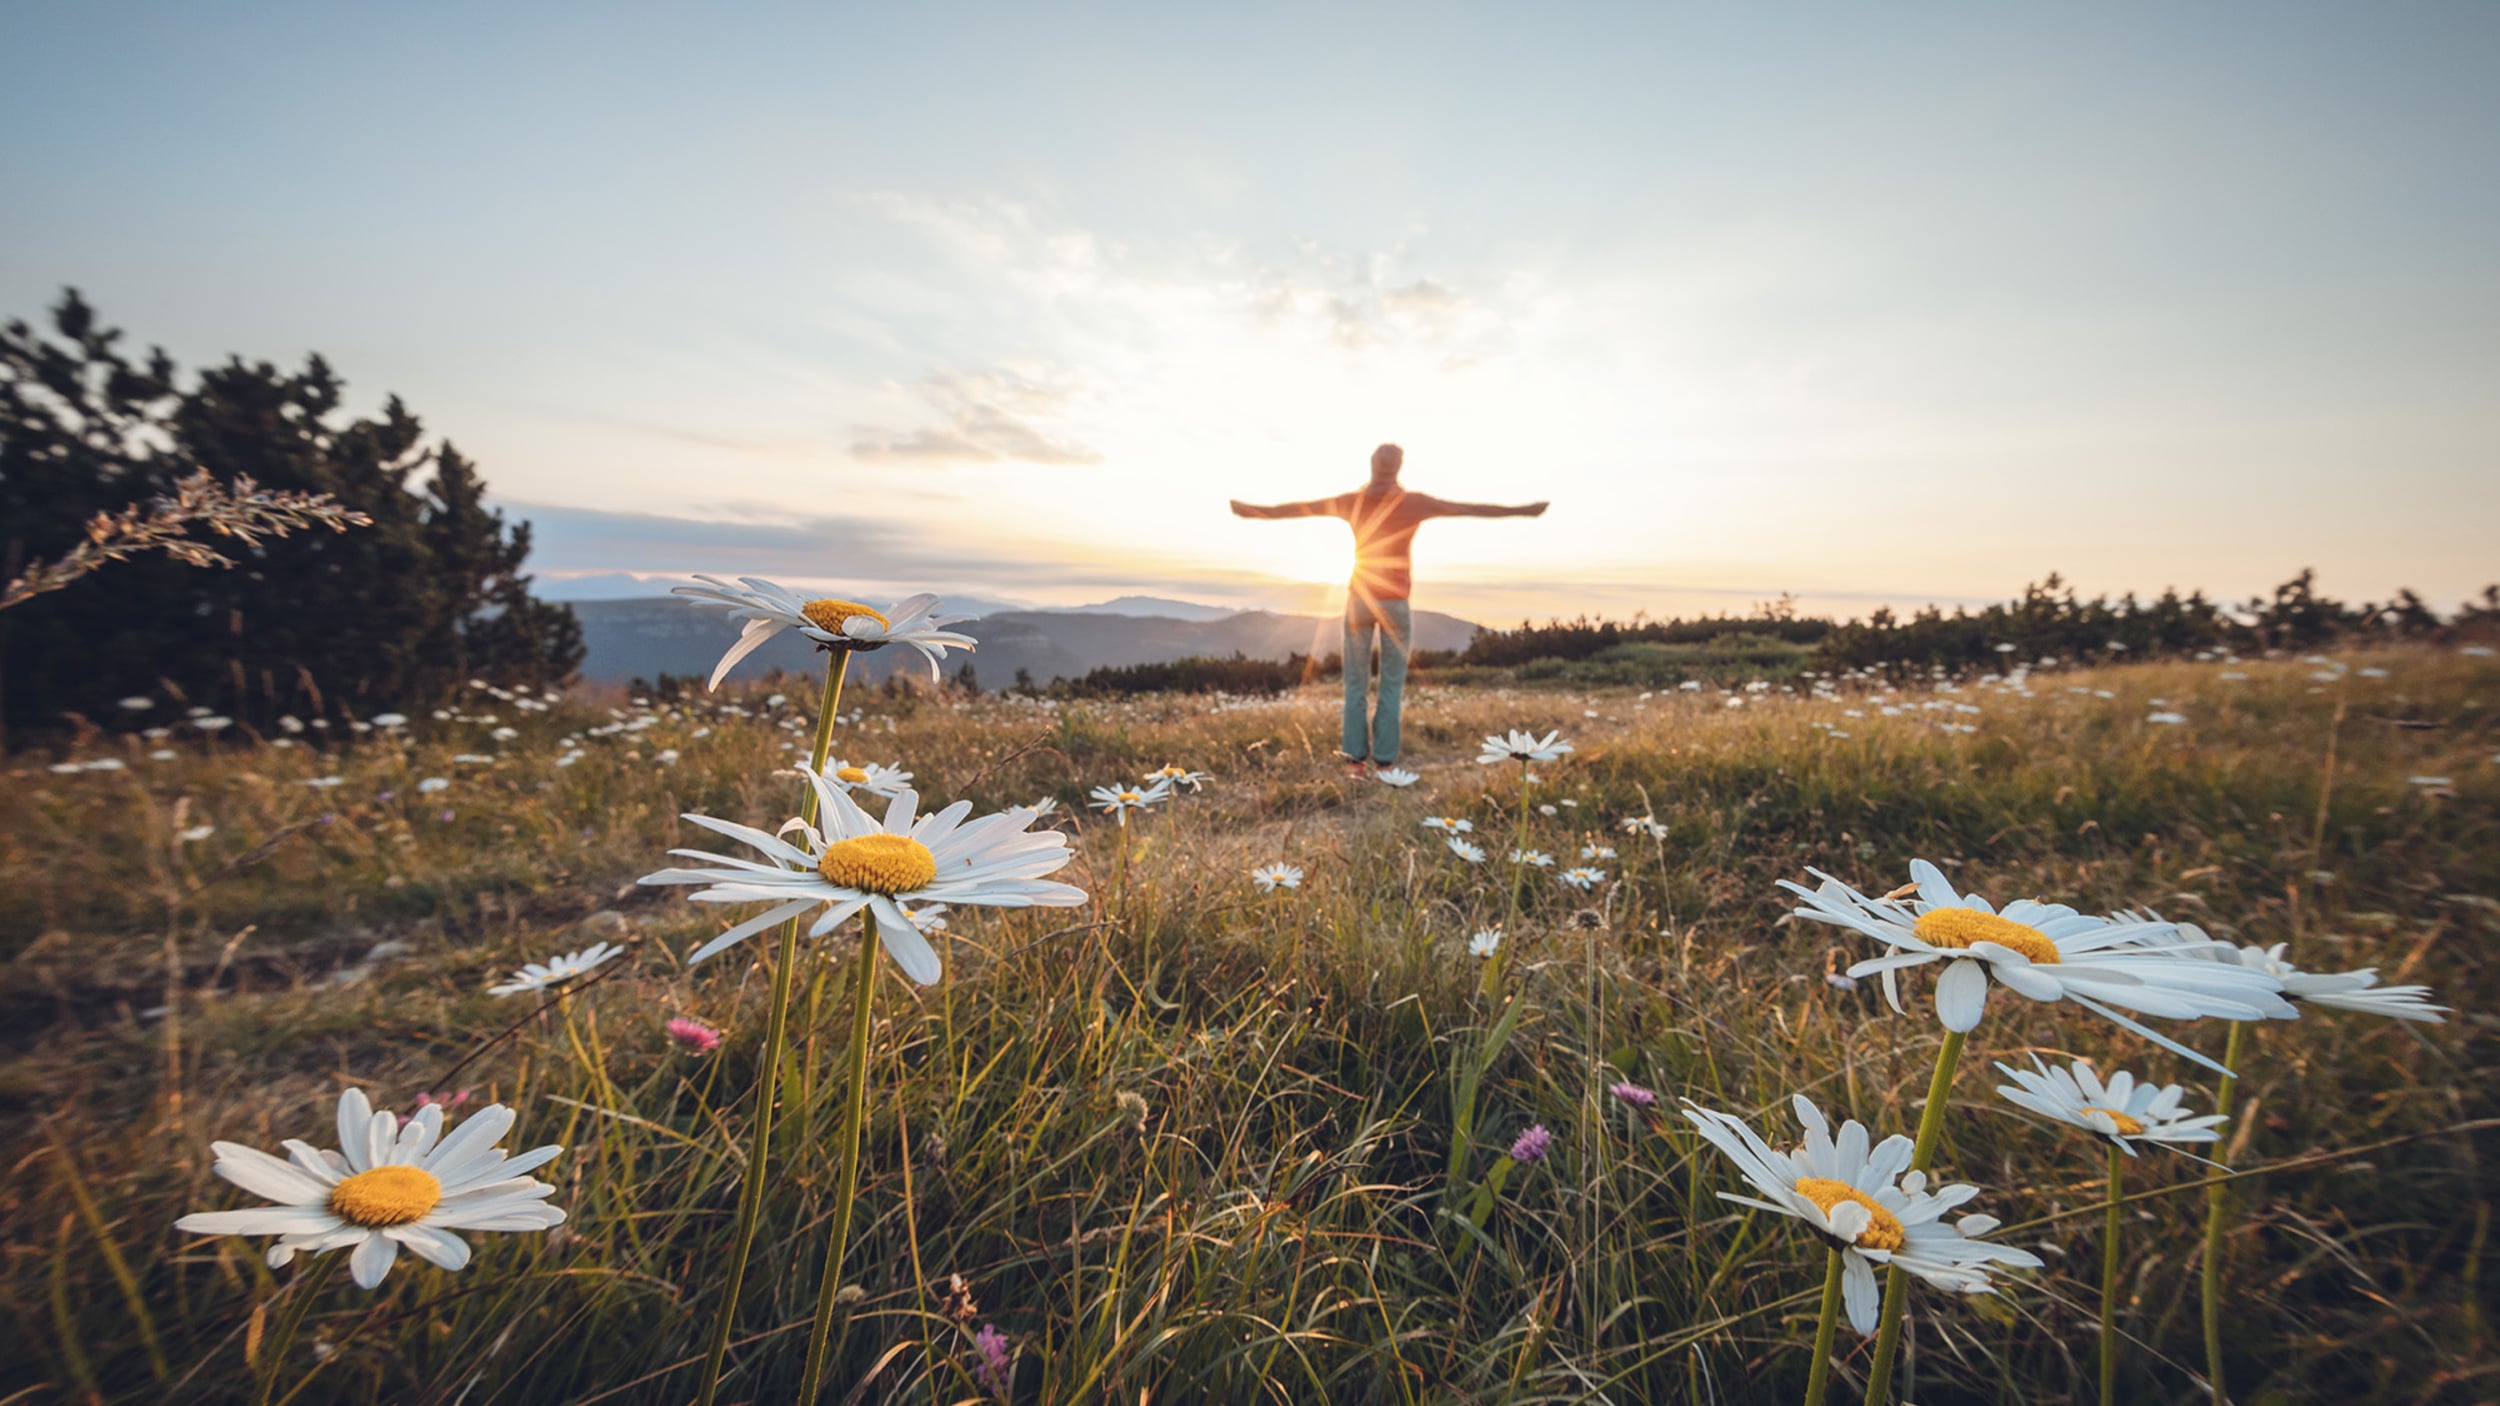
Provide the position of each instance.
(1634, 1095)
(1532, 1144)
(992, 1371)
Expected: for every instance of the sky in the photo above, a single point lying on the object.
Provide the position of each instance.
(1868, 305)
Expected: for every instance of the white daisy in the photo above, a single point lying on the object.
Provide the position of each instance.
(768, 609)
(555, 971)
(1859, 1201)
(2046, 951)
(1597, 852)
(1451, 824)
(1536, 857)
(1473, 854)
(857, 862)
(1523, 747)
(1118, 801)
(2356, 990)
(2119, 1109)
(1485, 943)
(874, 779)
(389, 1185)
(1271, 877)
(1178, 776)
(1396, 776)
(1582, 879)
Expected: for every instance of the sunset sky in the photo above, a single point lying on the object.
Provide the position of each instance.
(1868, 304)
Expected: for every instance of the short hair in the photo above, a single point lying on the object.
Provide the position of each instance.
(1389, 457)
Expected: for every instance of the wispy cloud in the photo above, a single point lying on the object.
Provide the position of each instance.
(988, 416)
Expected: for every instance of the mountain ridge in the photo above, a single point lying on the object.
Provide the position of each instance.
(646, 637)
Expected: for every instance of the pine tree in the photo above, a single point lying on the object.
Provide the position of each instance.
(392, 615)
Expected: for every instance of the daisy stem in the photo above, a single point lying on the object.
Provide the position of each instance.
(2217, 1202)
(1491, 985)
(1897, 1280)
(1819, 1377)
(863, 1002)
(2109, 1283)
(767, 1075)
(307, 1287)
(1121, 907)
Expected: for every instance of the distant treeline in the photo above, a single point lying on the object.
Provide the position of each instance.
(1583, 638)
(2049, 621)
(1238, 674)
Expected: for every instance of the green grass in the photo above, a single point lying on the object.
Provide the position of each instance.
(1194, 1146)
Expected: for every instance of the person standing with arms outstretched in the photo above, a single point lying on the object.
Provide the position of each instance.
(1384, 518)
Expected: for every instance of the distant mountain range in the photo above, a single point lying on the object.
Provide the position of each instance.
(644, 638)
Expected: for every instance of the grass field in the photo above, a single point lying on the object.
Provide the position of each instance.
(1193, 1142)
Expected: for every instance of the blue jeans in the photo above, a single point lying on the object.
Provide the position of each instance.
(1393, 625)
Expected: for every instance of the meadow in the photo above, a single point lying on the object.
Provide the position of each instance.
(1196, 1141)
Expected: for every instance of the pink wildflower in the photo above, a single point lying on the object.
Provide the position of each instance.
(693, 1035)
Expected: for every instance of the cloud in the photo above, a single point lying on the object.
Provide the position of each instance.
(985, 417)
(1359, 302)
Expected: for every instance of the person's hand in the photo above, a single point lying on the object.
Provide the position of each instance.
(1242, 509)
(1534, 510)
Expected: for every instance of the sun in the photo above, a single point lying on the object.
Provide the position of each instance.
(1317, 552)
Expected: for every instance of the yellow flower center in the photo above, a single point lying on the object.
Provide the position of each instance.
(1884, 1232)
(2127, 1127)
(1174, 771)
(1132, 797)
(828, 615)
(852, 774)
(386, 1196)
(1960, 927)
(887, 864)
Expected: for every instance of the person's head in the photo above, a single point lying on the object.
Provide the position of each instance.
(1386, 461)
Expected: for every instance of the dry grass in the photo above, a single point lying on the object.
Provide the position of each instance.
(1266, 1225)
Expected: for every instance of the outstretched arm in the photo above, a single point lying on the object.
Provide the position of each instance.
(1443, 507)
(1316, 507)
